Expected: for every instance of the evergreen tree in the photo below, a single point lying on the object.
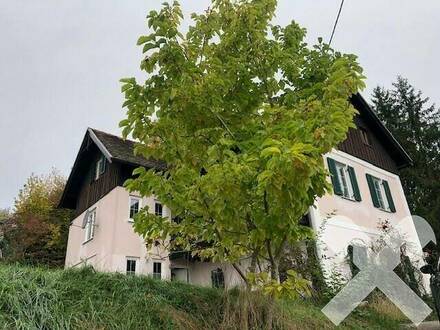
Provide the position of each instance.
(415, 122)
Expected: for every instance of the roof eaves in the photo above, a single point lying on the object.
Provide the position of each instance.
(100, 145)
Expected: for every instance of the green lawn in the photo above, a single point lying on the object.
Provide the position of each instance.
(35, 298)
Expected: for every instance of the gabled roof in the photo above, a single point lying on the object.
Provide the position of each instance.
(115, 150)
(120, 150)
(394, 148)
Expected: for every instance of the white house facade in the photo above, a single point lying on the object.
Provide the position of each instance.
(367, 192)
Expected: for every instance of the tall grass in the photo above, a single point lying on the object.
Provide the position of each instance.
(36, 298)
(42, 299)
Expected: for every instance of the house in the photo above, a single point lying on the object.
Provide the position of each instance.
(367, 190)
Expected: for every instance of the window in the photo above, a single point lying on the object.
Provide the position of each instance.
(344, 180)
(90, 225)
(157, 270)
(364, 136)
(135, 205)
(131, 266)
(100, 167)
(218, 278)
(381, 194)
(158, 209)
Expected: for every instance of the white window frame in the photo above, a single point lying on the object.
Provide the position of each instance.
(99, 167)
(158, 203)
(139, 199)
(344, 180)
(381, 194)
(155, 274)
(136, 265)
(89, 229)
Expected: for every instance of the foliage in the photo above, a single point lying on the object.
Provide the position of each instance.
(293, 286)
(4, 214)
(38, 298)
(37, 232)
(242, 112)
(4, 217)
(406, 269)
(303, 258)
(416, 125)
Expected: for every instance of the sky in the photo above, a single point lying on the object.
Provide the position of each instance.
(61, 61)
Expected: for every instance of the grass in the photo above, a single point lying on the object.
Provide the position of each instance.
(36, 298)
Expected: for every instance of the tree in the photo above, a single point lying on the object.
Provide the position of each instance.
(241, 111)
(416, 125)
(37, 232)
(4, 214)
(4, 217)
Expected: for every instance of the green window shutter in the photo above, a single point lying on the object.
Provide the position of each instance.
(334, 176)
(354, 184)
(373, 191)
(386, 187)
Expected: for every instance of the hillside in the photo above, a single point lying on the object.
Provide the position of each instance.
(34, 298)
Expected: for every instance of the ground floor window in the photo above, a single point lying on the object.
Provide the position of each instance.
(218, 278)
(157, 270)
(131, 266)
(180, 274)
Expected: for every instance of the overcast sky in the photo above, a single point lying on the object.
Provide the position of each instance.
(61, 60)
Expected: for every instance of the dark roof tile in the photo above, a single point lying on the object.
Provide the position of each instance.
(122, 150)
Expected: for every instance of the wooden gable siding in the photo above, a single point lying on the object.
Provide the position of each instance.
(374, 153)
(93, 190)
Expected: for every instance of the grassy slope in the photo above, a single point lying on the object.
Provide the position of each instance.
(32, 298)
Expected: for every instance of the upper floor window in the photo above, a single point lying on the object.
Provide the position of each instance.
(380, 193)
(157, 270)
(131, 266)
(135, 206)
(100, 167)
(158, 209)
(90, 225)
(344, 180)
(364, 136)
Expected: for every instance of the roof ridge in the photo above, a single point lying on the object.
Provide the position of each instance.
(114, 135)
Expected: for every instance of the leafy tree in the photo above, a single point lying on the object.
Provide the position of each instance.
(4, 217)
(38, 231)
(4, 214)
(416, 125)
(243, 113)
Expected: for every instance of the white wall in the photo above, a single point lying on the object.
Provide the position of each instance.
(199, 273)
(339, 221)
(114, 238)
(115, 241)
